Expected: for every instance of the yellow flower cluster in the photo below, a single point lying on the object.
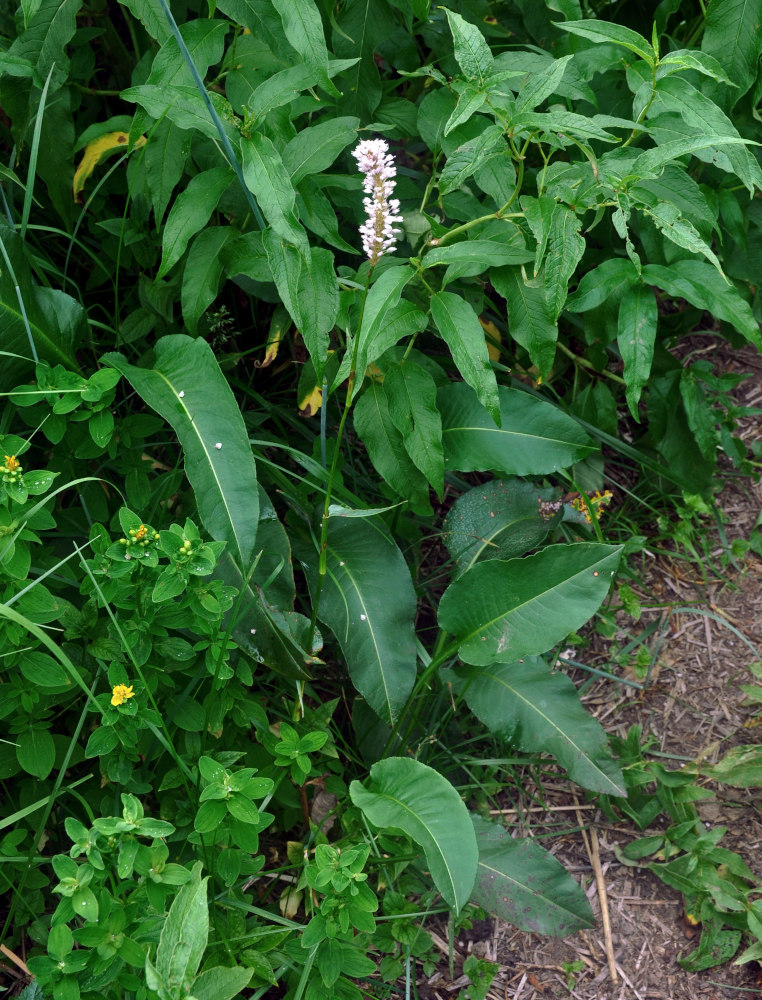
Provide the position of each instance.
(120, 693)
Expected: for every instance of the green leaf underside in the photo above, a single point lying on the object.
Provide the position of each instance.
(499, 520)
(407, 795)
(534, 438)
(206, 414)
(534, 709)
(504, 610)
(520, 882)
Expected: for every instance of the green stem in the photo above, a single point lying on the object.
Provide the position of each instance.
(322, 557)
(501, 213)
(588, 364)
(636, 132)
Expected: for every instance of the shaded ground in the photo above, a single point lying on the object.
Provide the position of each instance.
(693, 706)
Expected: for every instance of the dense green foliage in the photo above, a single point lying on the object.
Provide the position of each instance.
(289, 532)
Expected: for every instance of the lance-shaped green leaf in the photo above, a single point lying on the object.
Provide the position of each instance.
(182, 105)
(315, 148)
(471, 155)
(183, 939)
(386, 449)
(463, 333)
(539, 86)
(520, 882)
(502, 610)
(412, 396)
(702, 285)
(269, 181)
(203, 272)
(565, 250)
(536, 710)
(318, 296)
(605, 31)
(44, 42)
(534, 437)
(499, 520)
(406, 795)
(470, 99)
(187, 388)
(165, 157)
(538, 213)
(530, 322)
(638, 318)
(471, 50)
(608, 280)
(669, 220)
(382, 298)
(191, 211)
(368, 601)
(304, 30)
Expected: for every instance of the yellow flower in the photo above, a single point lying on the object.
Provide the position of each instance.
(120, 693)
(12, 464)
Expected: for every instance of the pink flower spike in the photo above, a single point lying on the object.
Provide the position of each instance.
(382, 211)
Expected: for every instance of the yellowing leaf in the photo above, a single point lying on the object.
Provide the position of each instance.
(278, 326)
(311, 403)
(374, 372)
(493, 338)
(95, 150)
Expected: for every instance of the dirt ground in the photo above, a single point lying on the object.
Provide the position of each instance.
(693, 706)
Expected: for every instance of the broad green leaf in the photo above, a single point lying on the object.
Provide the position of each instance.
(565, 250)
(399, 321)
(286, 262)
(638, 318)
(534, 437)
(467, 158)
(268, 180)
(44, 42)
(42, 670)
(529, 318)
(151, 16)
(383, 296)
(202, 273)
(165, 158)
(534, 709)
(190, 212)
(499, 520)
(386, 449)
(315, 148)
(702, 285)
(539, 86)
(520, 882)
(608, 280)
(732, 36)
(501, 611)
(184, 935)
(36, 752)
(368, 601)
(223, 982)
(304, 30)
(463, 333)
(412, 397)
(358, 29)
(406, 795)
(741, 767)
(674, 184)
(317, 213)
(604, 31)
(187, 388)
(58, 323)
(471, 50)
